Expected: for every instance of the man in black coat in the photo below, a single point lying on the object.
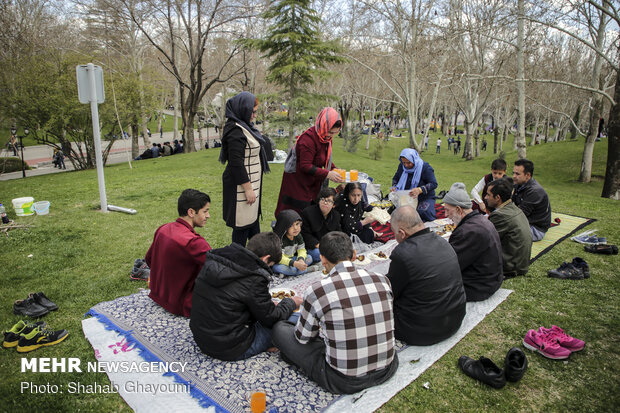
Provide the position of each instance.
(429, 299)
(477, 245)
(531, 198)
(232, 310)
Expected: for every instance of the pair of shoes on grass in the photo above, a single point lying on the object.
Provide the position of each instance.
(552, 343)
(140, 271)
(578, 269)
(485, 370)
(30, 336)
(589, 238)
(606, 249)
(36, 305)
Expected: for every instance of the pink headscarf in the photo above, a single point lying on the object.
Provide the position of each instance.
(325, 121)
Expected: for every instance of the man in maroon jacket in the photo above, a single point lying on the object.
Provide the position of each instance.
(178, 253)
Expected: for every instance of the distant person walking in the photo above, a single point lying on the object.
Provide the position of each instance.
(438, 145)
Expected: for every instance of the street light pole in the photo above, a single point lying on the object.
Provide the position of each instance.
(21, 144)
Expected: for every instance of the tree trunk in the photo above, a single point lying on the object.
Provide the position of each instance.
(175, 115)
(495, 139)
(611, 187)
(143, 114)
(135, 143)
(520, 137)
(595, 111)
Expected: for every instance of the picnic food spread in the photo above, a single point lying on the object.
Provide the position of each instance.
(282, 294)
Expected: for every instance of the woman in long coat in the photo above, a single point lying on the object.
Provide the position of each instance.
(246, 152)
(314, 165)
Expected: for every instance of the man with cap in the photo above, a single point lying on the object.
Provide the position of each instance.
(476, 243)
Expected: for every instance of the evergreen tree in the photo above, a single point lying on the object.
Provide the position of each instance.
(298, 53)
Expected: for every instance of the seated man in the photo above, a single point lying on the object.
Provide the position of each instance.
(429, 298)
(232, 312)
(512, 227)
(531, 198)
(476, 243)
(178, 253)
(344, 338)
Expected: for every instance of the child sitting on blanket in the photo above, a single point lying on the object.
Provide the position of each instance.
(295, 259)
(498, 171)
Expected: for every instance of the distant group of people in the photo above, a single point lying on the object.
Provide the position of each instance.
(336, 338)
(157, 150)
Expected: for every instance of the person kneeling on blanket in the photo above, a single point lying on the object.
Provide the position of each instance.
(344, 338)
(232, 311)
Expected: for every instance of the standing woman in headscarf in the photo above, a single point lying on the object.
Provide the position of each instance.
(419, 177)
(314, 164)
(247, 152)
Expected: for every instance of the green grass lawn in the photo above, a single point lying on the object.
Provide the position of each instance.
(81, 257)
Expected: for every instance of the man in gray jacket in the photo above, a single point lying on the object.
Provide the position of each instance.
(512, 226)
(476, 243)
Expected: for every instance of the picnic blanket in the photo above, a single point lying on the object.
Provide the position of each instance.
(568, 226)
(138, 329)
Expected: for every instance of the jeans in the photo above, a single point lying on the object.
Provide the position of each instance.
(241, 236)
(315, 254)
(310, 358)
(262, 341)
(288, 270)
(537, 234)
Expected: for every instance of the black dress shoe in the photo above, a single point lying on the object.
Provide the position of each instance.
(29, 307)
(43, 301)
(484, 370)
(515, 364)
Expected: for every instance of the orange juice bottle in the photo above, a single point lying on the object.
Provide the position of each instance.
(258, 402)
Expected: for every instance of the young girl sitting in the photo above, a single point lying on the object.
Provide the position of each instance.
(351, 207)
(318, 220)
(295, 260)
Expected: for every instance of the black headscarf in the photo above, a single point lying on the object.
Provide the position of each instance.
(239, 110)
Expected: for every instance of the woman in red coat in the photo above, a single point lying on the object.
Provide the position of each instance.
(314, 166)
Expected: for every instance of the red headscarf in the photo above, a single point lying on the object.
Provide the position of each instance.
(325, 121)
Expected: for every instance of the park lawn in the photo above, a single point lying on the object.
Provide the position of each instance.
(81, 256)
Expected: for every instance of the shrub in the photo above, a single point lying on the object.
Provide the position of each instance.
(11, 164)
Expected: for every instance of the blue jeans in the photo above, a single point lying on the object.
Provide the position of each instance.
(537, 234)
(288, 270)
(262, 341)
(315, 254)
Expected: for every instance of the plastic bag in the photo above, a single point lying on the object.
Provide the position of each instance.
(358, 245)
(402, 198)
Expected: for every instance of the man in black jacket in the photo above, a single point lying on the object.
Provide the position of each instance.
(429, 299)
(531, 198)
(232, 311)
(477, 245)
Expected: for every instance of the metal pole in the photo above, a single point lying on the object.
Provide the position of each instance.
(97, 138)
(21, 144)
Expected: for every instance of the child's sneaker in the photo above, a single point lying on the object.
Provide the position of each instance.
(563, 339)
(11, 337)
(545, 346)
(40, 337)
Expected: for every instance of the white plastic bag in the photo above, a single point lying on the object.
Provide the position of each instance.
(358, 245)
(402, 198)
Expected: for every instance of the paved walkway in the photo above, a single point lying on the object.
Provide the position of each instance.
(39, 157)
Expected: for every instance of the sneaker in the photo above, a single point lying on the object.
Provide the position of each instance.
(566, 271)
(543, 344)
(11, 337)
(602, 249)
(29, 307)
(581, 264)
(564, 340)
(138, 263)
(589, 238)
(40, 337)
(43, 301)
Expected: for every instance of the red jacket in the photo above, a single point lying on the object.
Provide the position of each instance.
(175, 258)
(299, 189)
